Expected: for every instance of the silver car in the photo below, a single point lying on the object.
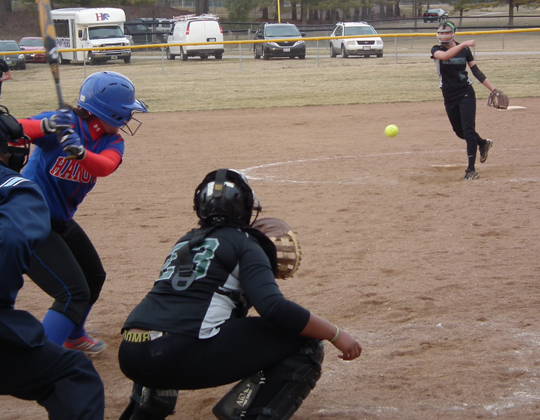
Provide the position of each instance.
(366, 46)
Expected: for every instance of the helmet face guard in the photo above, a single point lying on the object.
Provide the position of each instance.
(110, 96)
(12, 132)
(446, 32)
(225, 198)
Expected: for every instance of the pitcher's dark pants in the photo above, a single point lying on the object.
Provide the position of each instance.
(461, 112)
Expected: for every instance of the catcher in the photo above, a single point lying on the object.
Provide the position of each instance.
(451, 59)
(191, 331)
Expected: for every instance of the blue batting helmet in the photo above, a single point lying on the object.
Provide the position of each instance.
(110, 96)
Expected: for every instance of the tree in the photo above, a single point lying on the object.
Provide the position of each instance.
(463, 6)
(239, 9)
(202, 7)
(516, 4)
(5, 7)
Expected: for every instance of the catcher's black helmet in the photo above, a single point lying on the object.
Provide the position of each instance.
(225, 198)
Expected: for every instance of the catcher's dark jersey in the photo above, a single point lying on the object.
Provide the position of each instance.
(230, 267)
(452, 73)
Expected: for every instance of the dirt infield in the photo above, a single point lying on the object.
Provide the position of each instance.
(437, 278)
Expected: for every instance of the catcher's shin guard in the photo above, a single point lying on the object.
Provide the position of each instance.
(150, 404)
(235, 403)
(288, 384)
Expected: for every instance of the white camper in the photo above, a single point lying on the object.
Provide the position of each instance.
(203, 29)
(91, 28)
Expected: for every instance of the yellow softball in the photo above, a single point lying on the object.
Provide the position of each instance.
(391, 130)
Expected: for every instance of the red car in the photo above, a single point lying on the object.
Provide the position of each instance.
(29, 44)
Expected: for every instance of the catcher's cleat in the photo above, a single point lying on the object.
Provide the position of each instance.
(86, 344)
(470, 174)
(484, 150)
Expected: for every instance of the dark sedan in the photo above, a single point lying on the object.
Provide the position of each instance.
(283, 48)
(16, 59)
(435, 15)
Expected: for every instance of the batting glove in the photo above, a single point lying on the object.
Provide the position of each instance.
(60, 121)
(71, 144)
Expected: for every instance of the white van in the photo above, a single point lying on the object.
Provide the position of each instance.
(91, 28)
(203, 29)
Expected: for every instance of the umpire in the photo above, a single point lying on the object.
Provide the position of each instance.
(192, 330)
(63, 381)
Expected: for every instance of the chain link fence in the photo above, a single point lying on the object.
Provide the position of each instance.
(238, 80)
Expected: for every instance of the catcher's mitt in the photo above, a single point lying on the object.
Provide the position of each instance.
(498, 99)
(286, 242)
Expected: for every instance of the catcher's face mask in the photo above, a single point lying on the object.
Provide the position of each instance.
(13, 141)
(445, 33)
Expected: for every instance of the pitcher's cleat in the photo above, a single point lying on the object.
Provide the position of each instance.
(484, 150)
(470, 174)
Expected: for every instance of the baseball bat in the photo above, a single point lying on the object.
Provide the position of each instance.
(48, 33)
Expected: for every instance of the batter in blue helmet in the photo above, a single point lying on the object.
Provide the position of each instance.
(74, 147)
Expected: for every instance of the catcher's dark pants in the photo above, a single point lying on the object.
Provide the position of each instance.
(68, 268)
(63, 381)
(243, 347)
(461, 112)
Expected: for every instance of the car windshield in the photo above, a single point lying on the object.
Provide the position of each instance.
(282, 31)
(9, 46)
(31, 43)
(359, 30)
(102, 32)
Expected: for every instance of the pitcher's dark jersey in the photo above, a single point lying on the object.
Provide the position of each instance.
(232, 272)
(452, 73)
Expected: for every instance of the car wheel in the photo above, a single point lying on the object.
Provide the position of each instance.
(344, 52)
(264, 55)
(169, 55)
(302, 57)
(93, 61)
(379, 55)
(127, 60)
(332, 52)
(255, 53)
(219, 56)
(183, 54)
(204, 57)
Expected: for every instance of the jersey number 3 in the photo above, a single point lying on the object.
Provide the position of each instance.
(201, 262)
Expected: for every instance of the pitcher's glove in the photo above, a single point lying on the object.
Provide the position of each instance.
(280, 233)
(498, 99)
